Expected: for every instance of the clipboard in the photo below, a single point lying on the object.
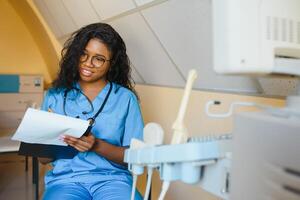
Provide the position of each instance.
(47, 151)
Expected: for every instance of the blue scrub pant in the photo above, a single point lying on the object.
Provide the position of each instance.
(107, 190)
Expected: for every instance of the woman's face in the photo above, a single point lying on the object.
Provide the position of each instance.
(94, 63)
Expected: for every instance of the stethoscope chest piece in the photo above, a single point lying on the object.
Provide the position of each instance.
(91, 121)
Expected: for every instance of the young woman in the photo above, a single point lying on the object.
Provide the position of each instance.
(94, 83)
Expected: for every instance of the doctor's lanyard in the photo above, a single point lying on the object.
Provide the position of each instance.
(91, 119)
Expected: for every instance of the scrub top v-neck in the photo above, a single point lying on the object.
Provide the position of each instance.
(119, 122)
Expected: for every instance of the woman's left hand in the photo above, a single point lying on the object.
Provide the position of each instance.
(82, 144)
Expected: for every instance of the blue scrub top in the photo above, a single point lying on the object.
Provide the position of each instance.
(119, 122)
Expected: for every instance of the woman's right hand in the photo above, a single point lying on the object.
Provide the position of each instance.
(82, 144)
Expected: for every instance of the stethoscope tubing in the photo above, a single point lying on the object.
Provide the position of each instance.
(91, 119)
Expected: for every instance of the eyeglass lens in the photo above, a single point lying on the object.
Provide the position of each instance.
(97, 61)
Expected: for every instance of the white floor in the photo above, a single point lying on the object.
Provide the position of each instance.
(15, 182)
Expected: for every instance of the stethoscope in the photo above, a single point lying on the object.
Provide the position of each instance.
(91, 119)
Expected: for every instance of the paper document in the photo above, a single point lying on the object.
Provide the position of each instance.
(43, 127)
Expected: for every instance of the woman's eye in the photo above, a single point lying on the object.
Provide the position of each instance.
(100, 59)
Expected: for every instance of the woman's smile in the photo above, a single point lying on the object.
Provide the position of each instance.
(86, 72)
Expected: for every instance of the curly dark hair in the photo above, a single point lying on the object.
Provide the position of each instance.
(120, 71)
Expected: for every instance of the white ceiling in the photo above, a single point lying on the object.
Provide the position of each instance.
(165, 38)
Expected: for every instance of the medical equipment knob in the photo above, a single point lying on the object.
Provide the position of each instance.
(153, 134)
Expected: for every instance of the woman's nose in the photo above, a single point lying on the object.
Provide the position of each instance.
(89, 62)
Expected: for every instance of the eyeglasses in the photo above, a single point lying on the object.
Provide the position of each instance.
(97, 61)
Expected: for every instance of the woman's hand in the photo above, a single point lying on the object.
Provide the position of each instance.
(82, 144)
(45, 161)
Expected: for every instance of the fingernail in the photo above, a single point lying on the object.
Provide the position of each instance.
(61, 137)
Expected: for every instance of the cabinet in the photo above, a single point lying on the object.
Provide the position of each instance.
(27, 91)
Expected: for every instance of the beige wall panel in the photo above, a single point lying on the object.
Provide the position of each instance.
(107, 9)
(48, 17)
(143, 2)
(61, 16)
(82, 12)
(145, 52)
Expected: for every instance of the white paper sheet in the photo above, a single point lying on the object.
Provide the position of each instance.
(45, 127)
